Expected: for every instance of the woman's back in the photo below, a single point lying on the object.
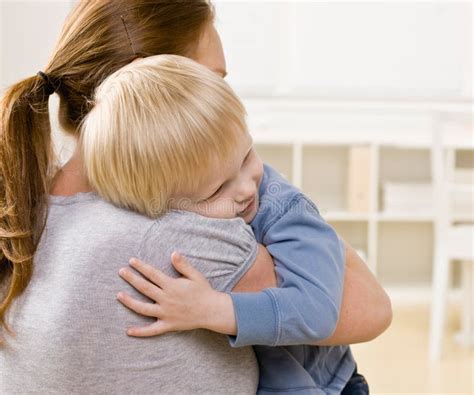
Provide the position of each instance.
(70, 329)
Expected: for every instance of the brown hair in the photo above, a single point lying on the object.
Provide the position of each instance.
(98, 38)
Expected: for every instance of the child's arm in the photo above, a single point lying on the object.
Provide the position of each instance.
(198, 309)
(309, 260)
(191, 303)
(366, 310)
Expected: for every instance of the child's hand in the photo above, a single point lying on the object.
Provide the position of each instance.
(182, 303)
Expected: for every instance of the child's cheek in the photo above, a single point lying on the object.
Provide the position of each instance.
(223, 208)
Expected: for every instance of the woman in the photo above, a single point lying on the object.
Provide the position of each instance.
(99, 38)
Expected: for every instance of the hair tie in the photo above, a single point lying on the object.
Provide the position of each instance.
(49, 87)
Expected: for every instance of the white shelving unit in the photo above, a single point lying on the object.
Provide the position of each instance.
(311, 143)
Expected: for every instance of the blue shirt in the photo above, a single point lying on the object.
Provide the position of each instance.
(309, 259)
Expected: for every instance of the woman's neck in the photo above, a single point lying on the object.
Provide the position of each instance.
(71, 178)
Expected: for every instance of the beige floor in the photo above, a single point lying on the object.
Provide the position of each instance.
(397, 362)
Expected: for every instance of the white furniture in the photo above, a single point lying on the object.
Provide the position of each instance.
(312, 143)
(461, 244)
(389, 148)
(454, 240)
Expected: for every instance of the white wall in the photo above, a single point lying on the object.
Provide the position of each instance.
(344, 50)
(375, 50)
(28, 33)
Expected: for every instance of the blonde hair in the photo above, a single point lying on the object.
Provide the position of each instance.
(158, 126)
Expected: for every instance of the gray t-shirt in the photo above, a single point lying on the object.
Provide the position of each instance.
(70, 329)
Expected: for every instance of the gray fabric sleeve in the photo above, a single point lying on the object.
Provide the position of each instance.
(221, 249)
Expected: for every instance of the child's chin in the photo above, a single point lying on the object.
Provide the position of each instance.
(250, 216)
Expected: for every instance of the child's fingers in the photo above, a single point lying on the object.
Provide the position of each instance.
(144, 286)
(157, 328)
(150, 272)
(182, 266)
(147, 309)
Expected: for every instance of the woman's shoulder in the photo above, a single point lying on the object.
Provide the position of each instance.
(91, 207)
(91, 204)
(221, 249)
(180, 224)
(86, 218)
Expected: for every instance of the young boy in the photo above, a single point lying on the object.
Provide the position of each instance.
(185, 130)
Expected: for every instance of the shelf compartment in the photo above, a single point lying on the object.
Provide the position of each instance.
(355, 233)
(465, 159)
(405, 253)
(324, 177)
(279, 156)
(400, 168)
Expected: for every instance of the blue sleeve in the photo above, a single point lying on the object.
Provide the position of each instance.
(309, 259)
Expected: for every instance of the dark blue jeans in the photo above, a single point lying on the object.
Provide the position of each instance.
(356, 385)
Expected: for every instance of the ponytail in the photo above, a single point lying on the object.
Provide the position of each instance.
(26, 158)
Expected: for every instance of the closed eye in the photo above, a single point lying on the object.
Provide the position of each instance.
(247, 156)
(216, 192)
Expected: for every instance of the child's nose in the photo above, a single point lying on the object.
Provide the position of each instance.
(247, 190)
